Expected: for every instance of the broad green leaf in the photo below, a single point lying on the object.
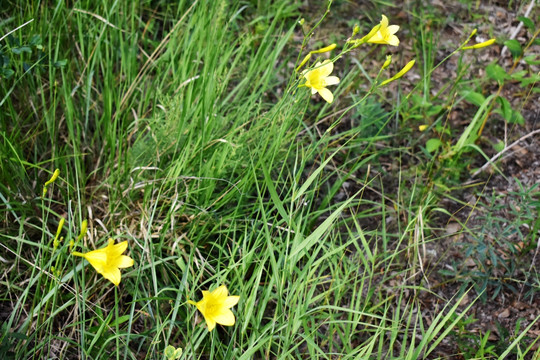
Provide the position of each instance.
(517, 118)
(514, 47)
(531, 60)
(434, 110)
(527, 22)
(433, 144)
(496, 72)
(506, 108)
(498, 146)
(474, 97)
(20, 50)
(60, 63)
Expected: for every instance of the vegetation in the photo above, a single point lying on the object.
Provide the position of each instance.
(187, 132)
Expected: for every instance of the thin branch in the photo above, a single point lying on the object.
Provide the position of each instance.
(494, 158)
(17, 28)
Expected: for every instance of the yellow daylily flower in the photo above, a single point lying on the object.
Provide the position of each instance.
(215, 307)
(385, 35)
(109, 260)
(318, 79)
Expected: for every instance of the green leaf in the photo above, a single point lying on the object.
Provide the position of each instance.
(515, 48)
(518, 75)
(433, 144)
(60, 63)
(496, 72)
(498, 146)
(169, 352)
(527, 22)
(474, 97)
(434, 110)
(506, 108)
(20, 50)
(7, 73)
(517, 118)
(530, 59)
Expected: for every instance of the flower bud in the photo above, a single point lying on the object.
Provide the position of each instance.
(480, 45)
(387, 62)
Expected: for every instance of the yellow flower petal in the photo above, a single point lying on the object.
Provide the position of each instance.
(220, 292)
(384, 22)
(326, 95)
(326, 68)
(230, 301)
(392, 29)
(124, 261)
(226, 318)
(392, 40)
(331, 80)
(211, 324)
(113, 275)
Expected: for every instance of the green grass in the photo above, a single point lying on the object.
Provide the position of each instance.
(180, 127)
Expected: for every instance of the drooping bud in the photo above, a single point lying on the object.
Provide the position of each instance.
(50, 181)
(324, 49)
(480, 45)
(402, 72)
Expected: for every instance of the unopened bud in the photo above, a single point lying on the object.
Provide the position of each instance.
(480, 45)
(387, 62)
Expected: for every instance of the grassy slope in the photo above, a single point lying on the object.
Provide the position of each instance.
(174, 127)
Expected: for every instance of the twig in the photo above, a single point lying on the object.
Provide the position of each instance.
(498, 155)
(99, 18)
(17, 28)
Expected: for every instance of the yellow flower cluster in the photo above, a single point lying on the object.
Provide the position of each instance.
(318, 78)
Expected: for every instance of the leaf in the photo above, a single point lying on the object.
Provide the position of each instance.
(20, 50)
(35, 40)
(527, 22)
(7, 73)
(498, 146)
(531, 60)
(172, 353)
(506, 108)
(60, 63)
(169, 352)
(470, 135)
(517, 118)
(496, 72)
(434, 110)
(514, 47)
(474, 98)
(433, 144)
(518, 75)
